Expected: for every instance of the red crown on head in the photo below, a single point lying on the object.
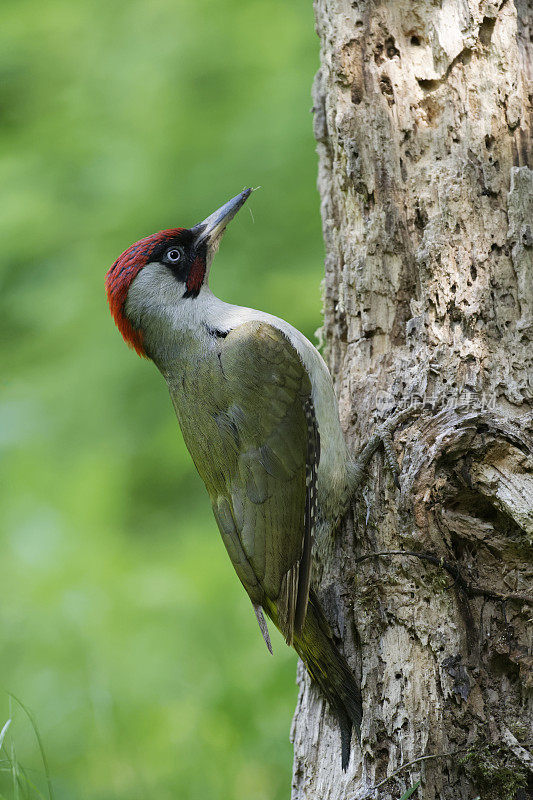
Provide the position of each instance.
(119, 278)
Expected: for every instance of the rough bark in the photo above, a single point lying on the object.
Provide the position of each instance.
(423, 117)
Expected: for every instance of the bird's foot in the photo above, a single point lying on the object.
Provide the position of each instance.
(382, 438)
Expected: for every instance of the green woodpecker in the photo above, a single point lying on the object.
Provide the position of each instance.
(259, 416)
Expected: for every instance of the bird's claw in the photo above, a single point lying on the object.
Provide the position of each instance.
(382, 437)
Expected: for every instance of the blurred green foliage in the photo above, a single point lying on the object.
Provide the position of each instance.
(123, 626)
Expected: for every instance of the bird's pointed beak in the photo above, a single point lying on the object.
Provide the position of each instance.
(210, 230)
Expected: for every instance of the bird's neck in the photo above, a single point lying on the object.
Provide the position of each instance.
(175, 333)
(177, 336)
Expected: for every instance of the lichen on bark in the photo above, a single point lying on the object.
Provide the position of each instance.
(423, 118)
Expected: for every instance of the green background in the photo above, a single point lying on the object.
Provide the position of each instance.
(122, 625)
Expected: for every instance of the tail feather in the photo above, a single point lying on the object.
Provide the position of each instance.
(328, 668)
(345, 725)
(263, 627)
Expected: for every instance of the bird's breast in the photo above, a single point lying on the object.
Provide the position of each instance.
(200, 398)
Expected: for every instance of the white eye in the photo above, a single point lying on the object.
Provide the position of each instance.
(173, 255)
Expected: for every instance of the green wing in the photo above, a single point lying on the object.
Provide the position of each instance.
(261, 469)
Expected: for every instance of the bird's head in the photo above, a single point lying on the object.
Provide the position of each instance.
(164, 270)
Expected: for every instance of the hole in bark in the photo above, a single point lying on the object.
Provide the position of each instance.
(489, 141)
(397, 675)
(473, 272)
(421, 218)
(473, 521)
(385, 86)
(486, 29)
(415, 41)
(356, 93)
(390, 46)
(474, 505)
(428, 85)
(501, 664)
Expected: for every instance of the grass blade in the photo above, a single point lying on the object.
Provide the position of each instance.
(14, 773)
(3, 732)
(40, 743)
(410, 791)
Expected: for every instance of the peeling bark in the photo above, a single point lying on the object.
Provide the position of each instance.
(423, 117)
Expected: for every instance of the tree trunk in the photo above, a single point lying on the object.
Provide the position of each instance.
(423, 118)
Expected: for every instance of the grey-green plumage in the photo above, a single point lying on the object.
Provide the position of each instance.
(242, 410)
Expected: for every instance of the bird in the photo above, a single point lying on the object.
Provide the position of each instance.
(258, 413)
